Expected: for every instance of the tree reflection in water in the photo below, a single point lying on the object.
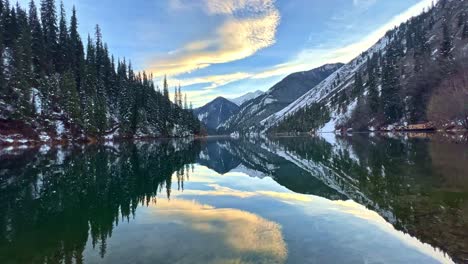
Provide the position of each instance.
(53, 203)
(50, 203)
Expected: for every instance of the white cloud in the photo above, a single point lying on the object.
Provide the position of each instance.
(214, 80)
(248, 26)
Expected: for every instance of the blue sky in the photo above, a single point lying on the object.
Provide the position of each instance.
(230, 47)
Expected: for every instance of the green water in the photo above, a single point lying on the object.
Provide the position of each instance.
(357, 199)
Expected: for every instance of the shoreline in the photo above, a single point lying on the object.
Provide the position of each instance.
(461, 135)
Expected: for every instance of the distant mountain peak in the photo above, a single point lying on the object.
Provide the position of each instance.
(246, 97)
(216, 112)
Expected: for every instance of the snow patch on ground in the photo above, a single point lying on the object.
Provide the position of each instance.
(329, 137)
(37, 101)
(60, 157)
(44, 137)
(269, 101)
(202, 117)
(59, 128)
(44, 149)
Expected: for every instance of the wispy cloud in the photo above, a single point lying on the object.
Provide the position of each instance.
(247, 27)
(364, 4)
(214, 81)
(317, 56)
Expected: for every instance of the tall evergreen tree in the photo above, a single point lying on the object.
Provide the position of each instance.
(21, 75)
(77, 59)
(373, 97)
(89, 87)
(392, 104)
(71, 98)
(49, 28)
(447, 41)
(63, 58)
(37, 44)
(358, 85)
(10, 25)
(165, 88)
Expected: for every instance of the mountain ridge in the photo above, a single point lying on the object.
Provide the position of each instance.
(276, 98)
(246, 97)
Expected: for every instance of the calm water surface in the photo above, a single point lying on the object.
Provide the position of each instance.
(357, 199)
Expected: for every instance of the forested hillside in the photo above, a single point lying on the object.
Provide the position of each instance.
(52, 87)
(413, 78)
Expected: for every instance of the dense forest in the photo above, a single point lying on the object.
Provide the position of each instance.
(52, 87)
(418, 76)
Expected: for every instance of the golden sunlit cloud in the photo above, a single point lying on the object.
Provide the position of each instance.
(213, 80)
(238, 233)
(248, 27)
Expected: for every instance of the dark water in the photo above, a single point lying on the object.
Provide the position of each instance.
(357, 199)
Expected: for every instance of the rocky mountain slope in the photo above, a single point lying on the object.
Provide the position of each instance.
(216, 112)
(276, 98)
(246, 97)
(416, 74)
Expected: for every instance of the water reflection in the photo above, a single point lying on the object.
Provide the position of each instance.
(150, 203)
(418, 184)
(51, 202)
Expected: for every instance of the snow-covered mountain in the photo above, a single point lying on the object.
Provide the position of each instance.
(344, 77)
(399, 82)
(246, 97)
(216, 112)
(276, 98)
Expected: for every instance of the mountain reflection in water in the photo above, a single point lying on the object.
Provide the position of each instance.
(225, 200)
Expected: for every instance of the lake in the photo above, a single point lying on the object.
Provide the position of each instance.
(329, 199)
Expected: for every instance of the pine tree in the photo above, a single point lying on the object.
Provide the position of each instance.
(90, 84)
(77, 59)
(374, 100)
(63, 58)
(49, 28)
(358, 85)
(179, 102)
(165, 88)
(447, 42)
(10, 25)
(101, 114)
(37, 45)
(392, 104)
(20, 80)
(71, 98)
